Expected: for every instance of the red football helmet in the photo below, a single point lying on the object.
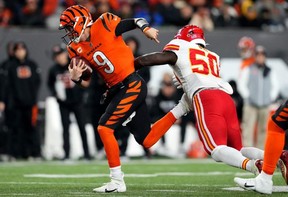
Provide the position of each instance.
(74, 20)
(246, 46)
(191, 33)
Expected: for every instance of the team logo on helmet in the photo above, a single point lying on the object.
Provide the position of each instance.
(191, 33)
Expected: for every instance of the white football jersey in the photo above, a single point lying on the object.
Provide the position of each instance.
(196, 67)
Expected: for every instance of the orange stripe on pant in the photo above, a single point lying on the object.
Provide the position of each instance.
(203, 131)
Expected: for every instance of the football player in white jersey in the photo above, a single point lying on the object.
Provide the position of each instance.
(197, 70)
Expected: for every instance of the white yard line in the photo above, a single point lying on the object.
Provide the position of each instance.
(215, 173)
(133, 175)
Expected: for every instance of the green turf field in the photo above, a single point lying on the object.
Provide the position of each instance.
(156, 177)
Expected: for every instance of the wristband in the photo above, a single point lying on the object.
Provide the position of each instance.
(141, 23)
(146, 28)
(78, 82)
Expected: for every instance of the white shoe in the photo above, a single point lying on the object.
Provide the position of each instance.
(115, 185)
(257, 184)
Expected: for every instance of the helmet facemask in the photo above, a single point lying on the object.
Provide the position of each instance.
(74, 30)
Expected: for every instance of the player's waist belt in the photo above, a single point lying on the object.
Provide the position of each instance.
(123, 83)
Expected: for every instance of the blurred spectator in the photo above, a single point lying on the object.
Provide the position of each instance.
(202, 18)
(176, 13)
(249, 14)
(31, 15)
(69, 97)
(3, 74)
(246, 47)
(197, 3)
(126, 9)
(166, 99)
(22, 90)
(259, 88)
(225, 15)
(5, 15)
(49, 7)
(143, 10)
(238, 100)
(134, 44)
(95, 90)
(100, 8)
(51, 11)
(3, 99)
(271, 15)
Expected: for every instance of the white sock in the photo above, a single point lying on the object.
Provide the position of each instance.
(178, 111)
(116, 172)
(265, 176)
(228, 155)
(252, 153)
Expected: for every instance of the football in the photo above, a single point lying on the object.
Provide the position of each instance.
(86, 75)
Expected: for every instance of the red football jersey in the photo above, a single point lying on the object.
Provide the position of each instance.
(106, 52)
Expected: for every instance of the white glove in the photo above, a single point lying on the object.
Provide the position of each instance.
(176, 82)
(187, 105)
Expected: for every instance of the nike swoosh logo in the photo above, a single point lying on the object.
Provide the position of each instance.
(109, 191)
(245, 185)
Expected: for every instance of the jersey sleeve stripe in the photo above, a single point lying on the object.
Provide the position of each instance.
(171, 47)
(104, 23)
(109, 16)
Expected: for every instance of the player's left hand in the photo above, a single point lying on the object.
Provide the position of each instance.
(152, 33)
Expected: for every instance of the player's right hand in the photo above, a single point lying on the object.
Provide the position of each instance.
(76, 69)
(152, 33)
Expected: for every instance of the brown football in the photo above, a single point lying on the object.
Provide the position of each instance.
(86, 75)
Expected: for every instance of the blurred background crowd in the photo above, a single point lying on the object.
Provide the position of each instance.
(23, 116)
(268, 15)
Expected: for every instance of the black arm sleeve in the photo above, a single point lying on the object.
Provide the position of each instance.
(158, 58)
(124, 26)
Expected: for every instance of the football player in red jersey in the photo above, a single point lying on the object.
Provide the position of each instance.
(102, 45)
(198, 71)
